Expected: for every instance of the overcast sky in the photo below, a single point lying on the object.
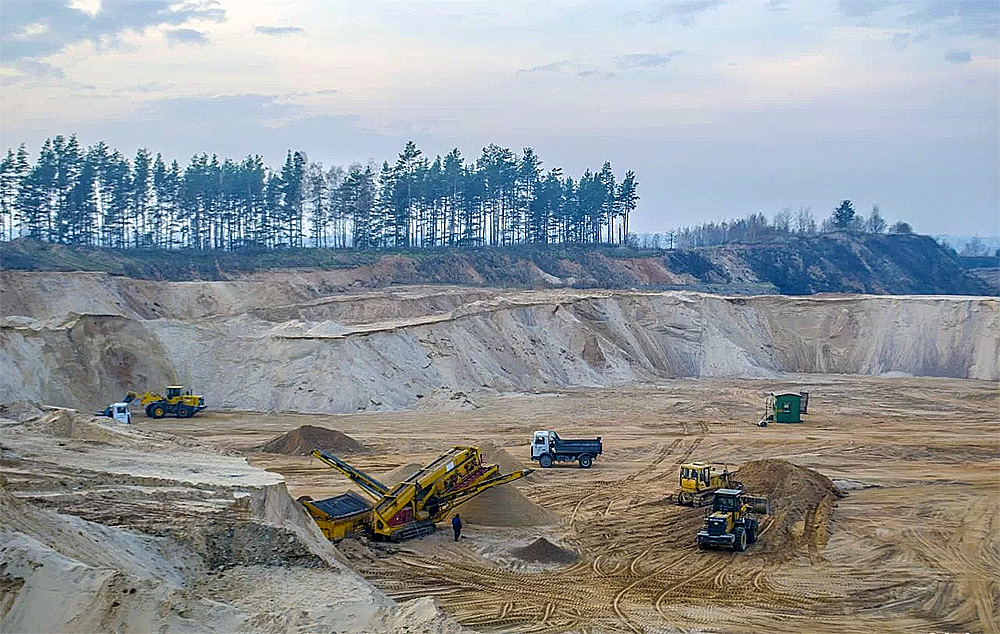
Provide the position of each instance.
(722, 108)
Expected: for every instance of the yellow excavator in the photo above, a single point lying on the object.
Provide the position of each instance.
(412, 507)
(175, 403)
(699, 481)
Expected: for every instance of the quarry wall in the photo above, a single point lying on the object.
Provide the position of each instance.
(288, 343)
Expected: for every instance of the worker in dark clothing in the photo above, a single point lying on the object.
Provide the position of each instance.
(456, 525)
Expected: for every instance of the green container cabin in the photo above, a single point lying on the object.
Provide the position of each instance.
(787, 407)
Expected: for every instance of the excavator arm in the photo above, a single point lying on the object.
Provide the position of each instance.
(451, 500)
(368, 484)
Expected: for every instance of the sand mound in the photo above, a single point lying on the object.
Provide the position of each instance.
(399, 474)
(69, 423)
(545, 552)
(802, 503)
(502, 506)
(21, 411)
(505, 506)
(503, 459)
(305, 439)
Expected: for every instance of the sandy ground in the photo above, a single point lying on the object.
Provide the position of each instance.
(172, 509)
(914, 545)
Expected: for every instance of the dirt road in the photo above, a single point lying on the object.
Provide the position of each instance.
(913, 546)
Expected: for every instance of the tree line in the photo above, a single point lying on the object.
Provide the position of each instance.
(98, 196)
(756, 226)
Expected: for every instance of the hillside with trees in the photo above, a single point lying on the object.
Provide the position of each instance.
(799, 265)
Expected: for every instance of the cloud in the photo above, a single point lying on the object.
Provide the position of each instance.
(279, 30)
(645, 60)
(900, 40)
(777, 5)
(956, 56)
(553, 67)
(39, 70)
(861, 8)
(980, 18)
(312, 93)
(151, 86)
(684, 11)
(186, 36)
(39, 28)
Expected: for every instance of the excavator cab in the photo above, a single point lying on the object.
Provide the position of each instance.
(174, 392)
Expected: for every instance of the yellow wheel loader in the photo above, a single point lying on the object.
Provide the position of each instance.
(410, 508)
(699, 481)
(175, 403)
(733, 522)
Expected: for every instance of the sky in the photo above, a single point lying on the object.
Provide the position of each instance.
(722, 108)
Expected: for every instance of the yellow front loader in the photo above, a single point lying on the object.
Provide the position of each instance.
(175, 403)
(734, 522)
(412, 507)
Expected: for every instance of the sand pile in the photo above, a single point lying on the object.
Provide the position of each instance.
(304, 440)
(501, 506)
(399, 474)
(505, 506)
(21, 411)
(69, 423)
(499, 456)
(801, 499)
(544, 552)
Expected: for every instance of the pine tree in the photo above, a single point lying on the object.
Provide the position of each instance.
(628, 198)
(9, 184)
(142, 194)
(843, 216)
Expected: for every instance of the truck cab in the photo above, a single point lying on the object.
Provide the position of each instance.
(118, 411)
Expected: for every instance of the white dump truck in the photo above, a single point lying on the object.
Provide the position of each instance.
(548, 448)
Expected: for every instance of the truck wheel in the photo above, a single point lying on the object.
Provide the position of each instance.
(149, 411)
(740, 543)
(702, 546)
(158, 411)
(585, 461)
(545, 461)
(182, 411)
(752, 533)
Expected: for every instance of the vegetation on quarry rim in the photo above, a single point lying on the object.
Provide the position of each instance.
(795, 265)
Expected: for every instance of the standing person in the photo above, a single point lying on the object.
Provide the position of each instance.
(456, 525)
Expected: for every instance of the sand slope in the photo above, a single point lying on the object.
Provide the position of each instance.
(350, 353)
(107, 528)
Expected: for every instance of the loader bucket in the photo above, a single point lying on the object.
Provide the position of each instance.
(760, 503)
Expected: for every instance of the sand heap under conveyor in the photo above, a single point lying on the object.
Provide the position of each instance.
(294, 344)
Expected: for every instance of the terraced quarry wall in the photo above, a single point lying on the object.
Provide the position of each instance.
(295, 341)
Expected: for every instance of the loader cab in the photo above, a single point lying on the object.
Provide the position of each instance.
(726, 501)
(174, 391)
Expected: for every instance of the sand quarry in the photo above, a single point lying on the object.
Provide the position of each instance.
(886, 500)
